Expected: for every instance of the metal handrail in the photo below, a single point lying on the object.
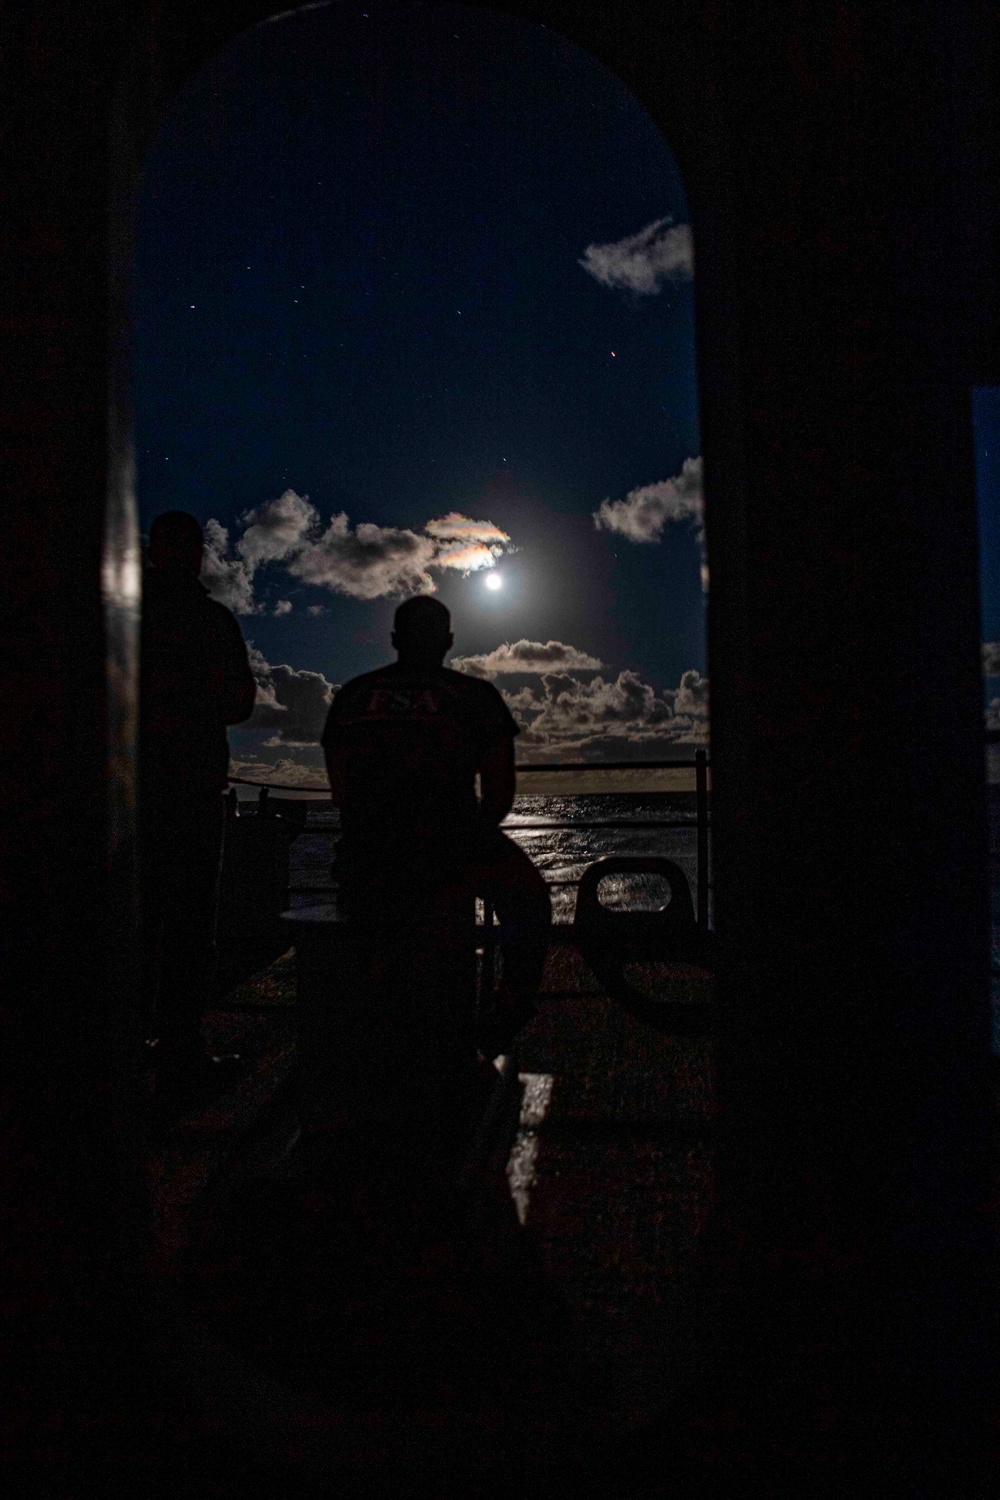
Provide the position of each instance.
(689, 763)
(323, 890)
(616, 765)
(603, 823)
(700, 823)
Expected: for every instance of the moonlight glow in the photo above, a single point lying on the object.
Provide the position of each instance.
(556, 511)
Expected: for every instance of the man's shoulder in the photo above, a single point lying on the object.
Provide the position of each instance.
(482, 704)
(180, 593)
(219, 614)
(471, 692)
(356, 687)
(473, 688)
(364, 680)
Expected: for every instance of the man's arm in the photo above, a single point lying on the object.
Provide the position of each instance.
(497, 780)
(336, 770)
(239, 690)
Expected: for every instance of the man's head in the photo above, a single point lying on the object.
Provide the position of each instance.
(422, 630)
(176, 541)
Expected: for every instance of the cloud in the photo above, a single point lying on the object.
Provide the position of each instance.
(530, 657)
(283, 607)
(277, 529)
(227, 578)
(468, 557)
(282, 772)
(367, 562)
(643, 262)
(692, 695)
(455, 527)
(364, 562)
(316, 610)
(618, 719)
(991, 658)
(292, 703)
(561, 718)
(521, 703)
(644, 513)
(468, 545)
(272, 532)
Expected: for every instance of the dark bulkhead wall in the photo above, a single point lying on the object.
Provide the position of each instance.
(843, 180)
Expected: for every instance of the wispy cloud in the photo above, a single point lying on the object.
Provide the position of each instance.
(454, 527)
(528, 657)
(646, 261)
(364, 562)
(991, 658)
(466, 557)
(467, 545)
(644, 513)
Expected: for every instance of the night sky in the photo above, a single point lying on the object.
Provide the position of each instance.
(414, 305)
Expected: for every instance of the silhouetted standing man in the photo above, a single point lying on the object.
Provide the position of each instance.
(195, 679)
(404, 746)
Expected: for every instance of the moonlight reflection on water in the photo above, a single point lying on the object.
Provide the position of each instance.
(562, 849)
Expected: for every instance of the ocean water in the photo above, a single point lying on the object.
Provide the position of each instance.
(564, 851)
(561, 849)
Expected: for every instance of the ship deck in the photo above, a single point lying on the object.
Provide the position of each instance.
(375, 1324)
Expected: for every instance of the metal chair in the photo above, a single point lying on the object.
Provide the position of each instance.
(611, 940)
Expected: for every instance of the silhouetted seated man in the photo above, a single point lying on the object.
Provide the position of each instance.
(195, 679)
(403, 747)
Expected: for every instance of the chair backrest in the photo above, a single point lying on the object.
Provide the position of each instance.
(611, 940)
(676, 919)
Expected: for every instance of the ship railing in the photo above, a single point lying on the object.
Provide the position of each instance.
(699, 763)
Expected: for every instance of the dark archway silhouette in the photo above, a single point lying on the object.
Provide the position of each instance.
(837, 348)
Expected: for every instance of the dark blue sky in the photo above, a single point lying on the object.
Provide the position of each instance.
(358, 278)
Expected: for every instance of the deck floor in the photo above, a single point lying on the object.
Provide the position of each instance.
(551, 1308)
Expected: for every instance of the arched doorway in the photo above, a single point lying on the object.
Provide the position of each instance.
(414, 312)
(427, 271)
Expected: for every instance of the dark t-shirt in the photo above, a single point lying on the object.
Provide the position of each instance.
(413, 742)
(194, 679)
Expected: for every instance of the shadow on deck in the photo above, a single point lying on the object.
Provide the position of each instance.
(382, 1328)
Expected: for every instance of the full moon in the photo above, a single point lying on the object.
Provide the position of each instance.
(494, 581)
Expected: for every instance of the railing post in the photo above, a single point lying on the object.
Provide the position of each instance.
(701, 803)
(262, 803)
